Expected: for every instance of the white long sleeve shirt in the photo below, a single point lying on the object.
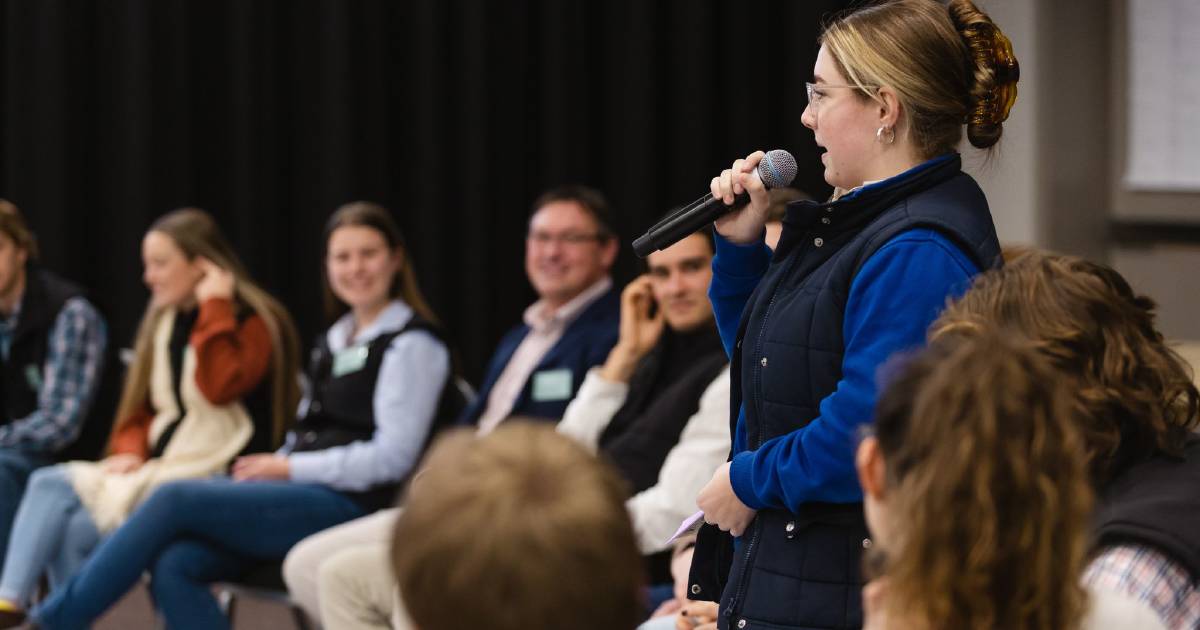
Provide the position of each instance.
(703, 446)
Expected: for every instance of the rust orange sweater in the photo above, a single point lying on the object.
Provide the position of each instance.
(232, 358)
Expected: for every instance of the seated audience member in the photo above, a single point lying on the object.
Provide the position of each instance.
(1139, 406)
(519, 529)
(376, 380)
(52, 346)
(538, 365)
(977, 495)
(535, 371)
(658, 408)
(214, 363)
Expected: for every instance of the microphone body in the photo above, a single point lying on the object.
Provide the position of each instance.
(777, 169)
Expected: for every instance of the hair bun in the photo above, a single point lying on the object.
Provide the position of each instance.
(992, 49)
(995, 70)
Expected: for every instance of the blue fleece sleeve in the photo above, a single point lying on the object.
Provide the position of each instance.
(737, 269)
(897, 293)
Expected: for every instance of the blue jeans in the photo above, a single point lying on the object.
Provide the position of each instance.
(189, 534)
(15, 467)
(52, 531)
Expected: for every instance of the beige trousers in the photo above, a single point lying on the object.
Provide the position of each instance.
(343, 575)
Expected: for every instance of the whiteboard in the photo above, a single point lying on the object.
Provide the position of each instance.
(1163, 96)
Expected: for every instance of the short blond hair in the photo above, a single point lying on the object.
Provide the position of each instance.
(521, 528)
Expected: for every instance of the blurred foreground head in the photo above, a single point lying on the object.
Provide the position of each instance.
(521, 528)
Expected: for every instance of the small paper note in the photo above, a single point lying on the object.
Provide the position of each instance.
(687, 525)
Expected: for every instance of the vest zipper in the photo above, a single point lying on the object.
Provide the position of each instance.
(742, 579)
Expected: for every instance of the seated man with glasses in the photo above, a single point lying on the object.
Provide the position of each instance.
(540, 364)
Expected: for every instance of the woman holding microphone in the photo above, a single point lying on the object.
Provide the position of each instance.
(852, 281)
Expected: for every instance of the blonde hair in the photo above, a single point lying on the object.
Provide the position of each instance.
(197, 234)
(988, 487)
(374, 216)
(949, 66)
(521, 528)
(12, 223)
(1136, 395)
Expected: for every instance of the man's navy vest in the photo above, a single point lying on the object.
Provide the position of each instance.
(802, 570)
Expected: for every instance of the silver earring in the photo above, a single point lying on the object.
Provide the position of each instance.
(891, 134)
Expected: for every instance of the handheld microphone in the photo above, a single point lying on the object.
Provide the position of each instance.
(777, 169)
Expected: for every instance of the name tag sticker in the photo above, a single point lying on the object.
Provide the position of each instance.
(349, 360)
(551, 385)
(33, 375)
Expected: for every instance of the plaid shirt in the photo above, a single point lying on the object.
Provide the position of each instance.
(1149, 576)
(70, 376)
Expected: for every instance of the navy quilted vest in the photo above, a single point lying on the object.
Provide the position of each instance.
(802, 570)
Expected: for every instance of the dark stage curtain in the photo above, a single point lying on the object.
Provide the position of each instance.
(454, 114)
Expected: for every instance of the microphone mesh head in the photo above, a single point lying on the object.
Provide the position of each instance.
(777, 169)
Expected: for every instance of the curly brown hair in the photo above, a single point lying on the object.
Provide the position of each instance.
(987, 488)
(1136, 394)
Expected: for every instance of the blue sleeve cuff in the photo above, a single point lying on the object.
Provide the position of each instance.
(736, 260)
(742, 480)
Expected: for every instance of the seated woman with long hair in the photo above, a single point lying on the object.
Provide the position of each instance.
(1138, 415)
(978, 495)
(213, 375)
(376, 381)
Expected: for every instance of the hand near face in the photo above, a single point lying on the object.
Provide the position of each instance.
(639, 329)
(638, 333)
(261, 467)
(722, 507)
(216, 282)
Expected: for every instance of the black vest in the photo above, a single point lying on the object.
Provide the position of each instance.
(664, 393)
(21, 375)
(1156, 503)
(803, 570)
(341, 408)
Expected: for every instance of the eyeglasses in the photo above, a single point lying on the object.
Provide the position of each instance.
(815, 94)
(567, 238)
